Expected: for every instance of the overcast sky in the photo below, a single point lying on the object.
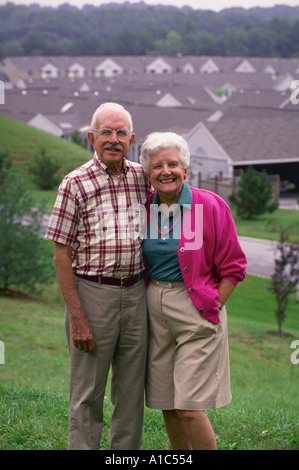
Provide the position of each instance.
(196, 4)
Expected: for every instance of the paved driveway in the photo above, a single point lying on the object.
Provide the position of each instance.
(260, 255)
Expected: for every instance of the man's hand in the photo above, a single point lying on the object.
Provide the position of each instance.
(81, 333)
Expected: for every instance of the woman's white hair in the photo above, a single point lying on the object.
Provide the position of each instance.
(115, 106)
(160, 141)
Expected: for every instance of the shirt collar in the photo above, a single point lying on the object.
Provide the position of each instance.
(104, 168)
(184, 198)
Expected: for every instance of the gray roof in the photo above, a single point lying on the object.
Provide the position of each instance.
(137, 64)
(257, 134)
(255, 123)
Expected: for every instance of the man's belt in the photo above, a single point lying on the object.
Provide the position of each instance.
(125, 281)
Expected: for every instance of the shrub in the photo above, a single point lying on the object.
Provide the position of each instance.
(44, 171)
(286, 275)
(254, 194)
(25, 259)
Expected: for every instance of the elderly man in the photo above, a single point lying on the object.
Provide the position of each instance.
(101, 275)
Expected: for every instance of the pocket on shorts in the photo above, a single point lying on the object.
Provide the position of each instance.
(205, 328)
(207, 303)
(200, 326)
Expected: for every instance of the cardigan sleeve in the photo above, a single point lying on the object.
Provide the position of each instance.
(229, 258)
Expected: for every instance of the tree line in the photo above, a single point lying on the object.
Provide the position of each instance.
(140, 29)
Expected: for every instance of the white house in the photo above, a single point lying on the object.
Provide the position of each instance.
(209, 67)
(245, 67)
(271, 70)
(76, 71)
(188, 68)
(49, 71)
(208, 158)
(283, 82)
(44, 124)
(108, 68)
(84, 88)
(168, 101)
(159, 66)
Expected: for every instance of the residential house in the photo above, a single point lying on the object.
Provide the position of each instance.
(159, 66)
(49, 71)
(108, 68)
(76, 70)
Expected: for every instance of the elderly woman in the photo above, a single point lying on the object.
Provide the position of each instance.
(194, 262)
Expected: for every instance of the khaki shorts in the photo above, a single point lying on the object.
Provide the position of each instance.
(188, 358)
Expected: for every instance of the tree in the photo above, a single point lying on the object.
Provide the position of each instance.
(44, 171)
(295, 38)
(90, 45)
(236, 42)
(67, 30)
(170, 46)
(254, 194)
(23, 253)
(285, 276)
(35, 44)
(261, 42)
(76, 139)
(13, 48)
(200, 43)
(281, 32)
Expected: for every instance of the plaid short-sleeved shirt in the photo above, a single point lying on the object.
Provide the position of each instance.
(94, 212)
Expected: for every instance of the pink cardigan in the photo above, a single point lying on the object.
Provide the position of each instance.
(214, 255)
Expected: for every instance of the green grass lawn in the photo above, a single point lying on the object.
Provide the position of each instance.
(23, 143)
(261, 226)
(34, 380)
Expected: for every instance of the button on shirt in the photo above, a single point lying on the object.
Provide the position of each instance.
(96, 212)
(160, 251)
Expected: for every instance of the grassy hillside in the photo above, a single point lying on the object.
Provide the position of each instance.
(24, 142)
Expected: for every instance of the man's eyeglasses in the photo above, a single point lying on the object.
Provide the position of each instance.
(105, 134)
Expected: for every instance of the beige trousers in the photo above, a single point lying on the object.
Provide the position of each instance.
(118, 320)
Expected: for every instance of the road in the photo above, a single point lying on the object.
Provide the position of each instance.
(260, 255)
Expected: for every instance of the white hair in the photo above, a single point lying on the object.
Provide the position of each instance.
(116, 107)
(163, 140)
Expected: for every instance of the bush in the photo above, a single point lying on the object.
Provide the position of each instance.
(254, 195)
(44, 171)
(286, 275)
(25, 259)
